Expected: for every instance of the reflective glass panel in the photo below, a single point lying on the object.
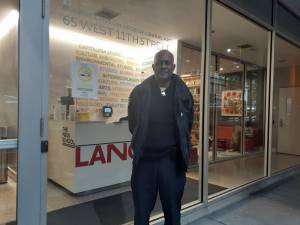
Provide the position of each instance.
(286, 102)
(9, 78)
(99, 51)
(237, 101)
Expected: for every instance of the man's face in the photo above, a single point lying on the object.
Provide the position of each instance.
(163, 66)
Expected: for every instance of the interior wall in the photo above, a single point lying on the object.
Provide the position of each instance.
(9, 72)
(283, 77)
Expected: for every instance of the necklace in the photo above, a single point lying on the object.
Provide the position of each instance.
(163, 91)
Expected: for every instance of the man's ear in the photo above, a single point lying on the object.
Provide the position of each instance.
(153, 67)
(173, 67)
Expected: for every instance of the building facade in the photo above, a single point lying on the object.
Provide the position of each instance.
(68, 67)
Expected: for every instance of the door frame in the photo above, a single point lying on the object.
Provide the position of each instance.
(32, 115)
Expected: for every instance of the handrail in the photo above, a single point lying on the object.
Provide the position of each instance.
(6, 144)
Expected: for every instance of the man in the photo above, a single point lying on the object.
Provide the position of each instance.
(160, 114)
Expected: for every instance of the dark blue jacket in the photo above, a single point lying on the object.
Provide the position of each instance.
(138, 116)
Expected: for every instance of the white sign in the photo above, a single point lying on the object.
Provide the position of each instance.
(102, 165)
(84, 80)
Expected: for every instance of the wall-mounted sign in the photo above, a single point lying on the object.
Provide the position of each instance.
(84, 80)
(102, 165)
(232, 104)
(67, 139)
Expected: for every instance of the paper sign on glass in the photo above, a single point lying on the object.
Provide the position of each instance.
(232, 104)
(84, 80)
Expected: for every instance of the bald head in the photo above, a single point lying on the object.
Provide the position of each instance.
(163, 66)
(164, 52)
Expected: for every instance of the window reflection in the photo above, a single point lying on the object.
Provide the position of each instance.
(99, 51)
(237, 105)
(286, 101)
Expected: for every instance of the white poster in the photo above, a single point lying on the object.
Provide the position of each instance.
(102, 165)
(84, 80)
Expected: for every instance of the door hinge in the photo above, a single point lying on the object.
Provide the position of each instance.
(44, 146)
(43, 8)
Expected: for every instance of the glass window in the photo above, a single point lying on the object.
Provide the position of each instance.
(9, 78)
(254, 111)
(227, 137)
(190, 73)
(237, 99)
(286, 102)
(99, 51)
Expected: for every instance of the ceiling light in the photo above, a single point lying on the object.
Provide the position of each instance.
(228, 50)
(244, 46)
(107, 14)
(237, 67)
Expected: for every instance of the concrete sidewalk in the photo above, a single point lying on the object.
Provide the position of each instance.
(278, 205)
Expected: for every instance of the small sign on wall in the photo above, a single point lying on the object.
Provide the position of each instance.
(232, 104)
(84, 80)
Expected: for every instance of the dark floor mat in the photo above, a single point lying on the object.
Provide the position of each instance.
(114, 210)
(10, 223)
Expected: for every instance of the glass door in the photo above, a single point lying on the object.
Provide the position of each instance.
(228, 109)
(9, 16)
(253, 135)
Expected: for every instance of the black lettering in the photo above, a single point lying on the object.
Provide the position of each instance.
(99, 30)
(118, 34)
(135, 39)
(142, 42)
(128, 36)
(73, 21)
(85, 25)
(123, 36)
(110, 31)
(153, 43)
(66, 20)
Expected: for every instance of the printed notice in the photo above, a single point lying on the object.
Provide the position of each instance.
(84, 80)
(232, 104)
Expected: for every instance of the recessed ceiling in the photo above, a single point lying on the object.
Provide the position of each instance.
(176, 19)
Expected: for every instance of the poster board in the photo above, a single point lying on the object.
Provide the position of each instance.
(232, 104)
(84, 80)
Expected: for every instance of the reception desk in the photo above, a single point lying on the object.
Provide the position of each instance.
(84, 156)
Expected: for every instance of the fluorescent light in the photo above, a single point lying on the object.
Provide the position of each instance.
(9, 22)
(228, 50)
(11, 101)
(73, 37)
(140, 54)
(10, 97)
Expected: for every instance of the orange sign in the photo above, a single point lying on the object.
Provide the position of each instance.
(232, 104)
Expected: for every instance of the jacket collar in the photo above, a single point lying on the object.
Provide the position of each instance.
(147, 83)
